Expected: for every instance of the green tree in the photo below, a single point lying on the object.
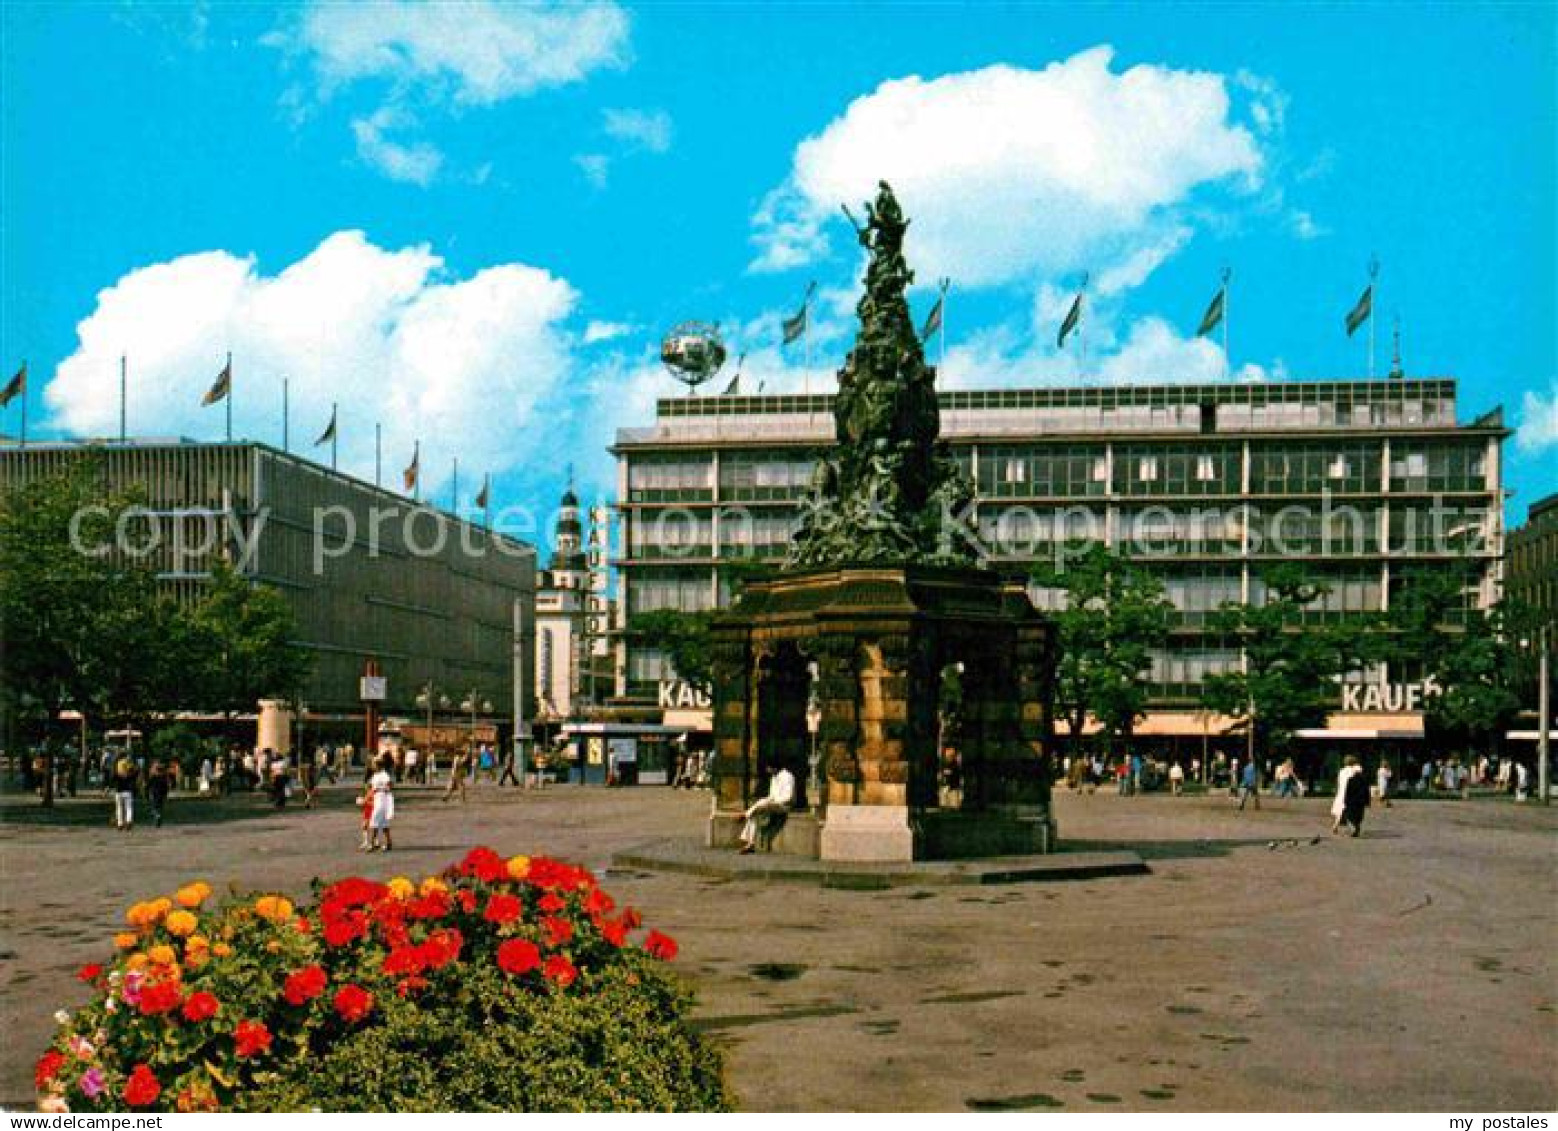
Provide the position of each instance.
(1466, 657)
(1291, 669)
(245, 635)
(1114, 615)
(683, 638)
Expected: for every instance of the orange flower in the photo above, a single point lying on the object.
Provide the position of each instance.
(276, 908)
(193, 895)
(162, 954)
(137, 961)
(181, 923)
(432, 884)
(519, 867)
(124, 940)
(401, 888)
(221, 950)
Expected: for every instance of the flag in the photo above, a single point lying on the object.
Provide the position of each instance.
(795, 325)
(1073, 316)
(1214, 312)
(15, 387)
(1360, 313)
(220, 387)
(734, 388)
(933, 319)
(329, 433)
(481, 499)
(414, 469)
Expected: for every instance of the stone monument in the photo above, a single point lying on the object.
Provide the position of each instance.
(880, 603)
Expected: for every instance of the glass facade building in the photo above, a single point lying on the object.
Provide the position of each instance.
(1208, 485)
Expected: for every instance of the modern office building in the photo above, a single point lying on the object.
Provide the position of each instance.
(1531, 572)
(1361, 480)
(368, 573)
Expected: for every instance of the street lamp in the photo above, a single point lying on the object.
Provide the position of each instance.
(1544, 712)
(428, 697)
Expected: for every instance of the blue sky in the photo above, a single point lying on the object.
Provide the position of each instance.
(472, 223)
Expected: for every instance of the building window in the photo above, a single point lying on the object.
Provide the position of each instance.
(1016, 471)
(1206, 469)
(1147, 469)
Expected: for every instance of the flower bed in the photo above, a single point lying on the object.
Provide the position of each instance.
(498, 985)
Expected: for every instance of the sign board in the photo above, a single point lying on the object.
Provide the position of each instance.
(622, 750)
(373, 689)
(595, 750)
(678, 694)
(1381, 697)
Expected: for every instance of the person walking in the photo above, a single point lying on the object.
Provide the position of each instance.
(510, 765)
(1249, 785)
(1382, 783)
(381, 788)
(159, 783)
(1355, 799)
(1176, 779)
(459, 770)
(308, 776)
(123, 781)
(1350, 770)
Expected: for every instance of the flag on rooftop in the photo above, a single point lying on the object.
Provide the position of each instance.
(1214, 312)
(221, 387)
(414, 469)
(329, 433)
(1073, 317)
(796, 324)
(14, 387)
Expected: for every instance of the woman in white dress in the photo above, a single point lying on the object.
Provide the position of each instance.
(1339, 805)
(382, 787)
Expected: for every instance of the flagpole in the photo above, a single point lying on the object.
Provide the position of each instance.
(486, 502)
(454, 489)
(941, 361)
(416, 483)
(229, 397)
(1082, 326)
(1373, 302)
(122, 366)
(1227, 290)
(333, 434)
(24, 402)
(286, 414)
(378, 454)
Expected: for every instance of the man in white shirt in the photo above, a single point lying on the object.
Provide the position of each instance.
(766, 812)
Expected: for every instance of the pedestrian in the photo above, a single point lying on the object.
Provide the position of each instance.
(276, 766)
(459, 770)
(381, 788)
(1355, 800)
(488, 765)
(308, 776)
(123, 780)
(413, 761)
(205, 776)
(1249, 785)
(1382, 783)
(1522, 781)
(510, 770)
(765, 815)
(1350, 770)
(1176, 779)
(159, 783)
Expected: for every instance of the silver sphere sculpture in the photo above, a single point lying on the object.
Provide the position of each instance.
(693, 352)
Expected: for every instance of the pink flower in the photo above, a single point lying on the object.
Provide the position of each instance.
(92, 1083)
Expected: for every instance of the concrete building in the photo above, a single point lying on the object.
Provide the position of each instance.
(1363, 480)
(368, 573)
(1531, 572)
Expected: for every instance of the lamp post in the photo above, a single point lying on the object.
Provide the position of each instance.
(428, 697)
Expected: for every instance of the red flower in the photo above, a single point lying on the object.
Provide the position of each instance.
(404, 960)
(660, 946)
(485, 864)
(304, 926)
(161, 997)
(551, 902)
(631, 919)
(467, 900)
(48, 1067)
(354, 891)
(518, 956)
(252, 1038)
(434, 905)
(558, 931)
(406, 986)
(353, 1003)
(560, 970)
(201, 1007)
(441, 947)
(503, 908)
(345, 928)
(614, 931)
(304, 985)
(142, 1088)
(89, 972)
(598, 902)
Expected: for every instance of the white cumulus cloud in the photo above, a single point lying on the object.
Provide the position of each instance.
(1538, 421)
(477, 51)
(1011, 173)
(417, 162)
(647, 129)
(468, 366)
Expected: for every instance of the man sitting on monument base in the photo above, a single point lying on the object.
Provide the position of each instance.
(766, 816)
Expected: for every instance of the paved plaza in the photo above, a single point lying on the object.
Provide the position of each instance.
(1255, 967)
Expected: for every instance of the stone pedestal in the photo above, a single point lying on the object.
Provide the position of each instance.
(869, 647)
